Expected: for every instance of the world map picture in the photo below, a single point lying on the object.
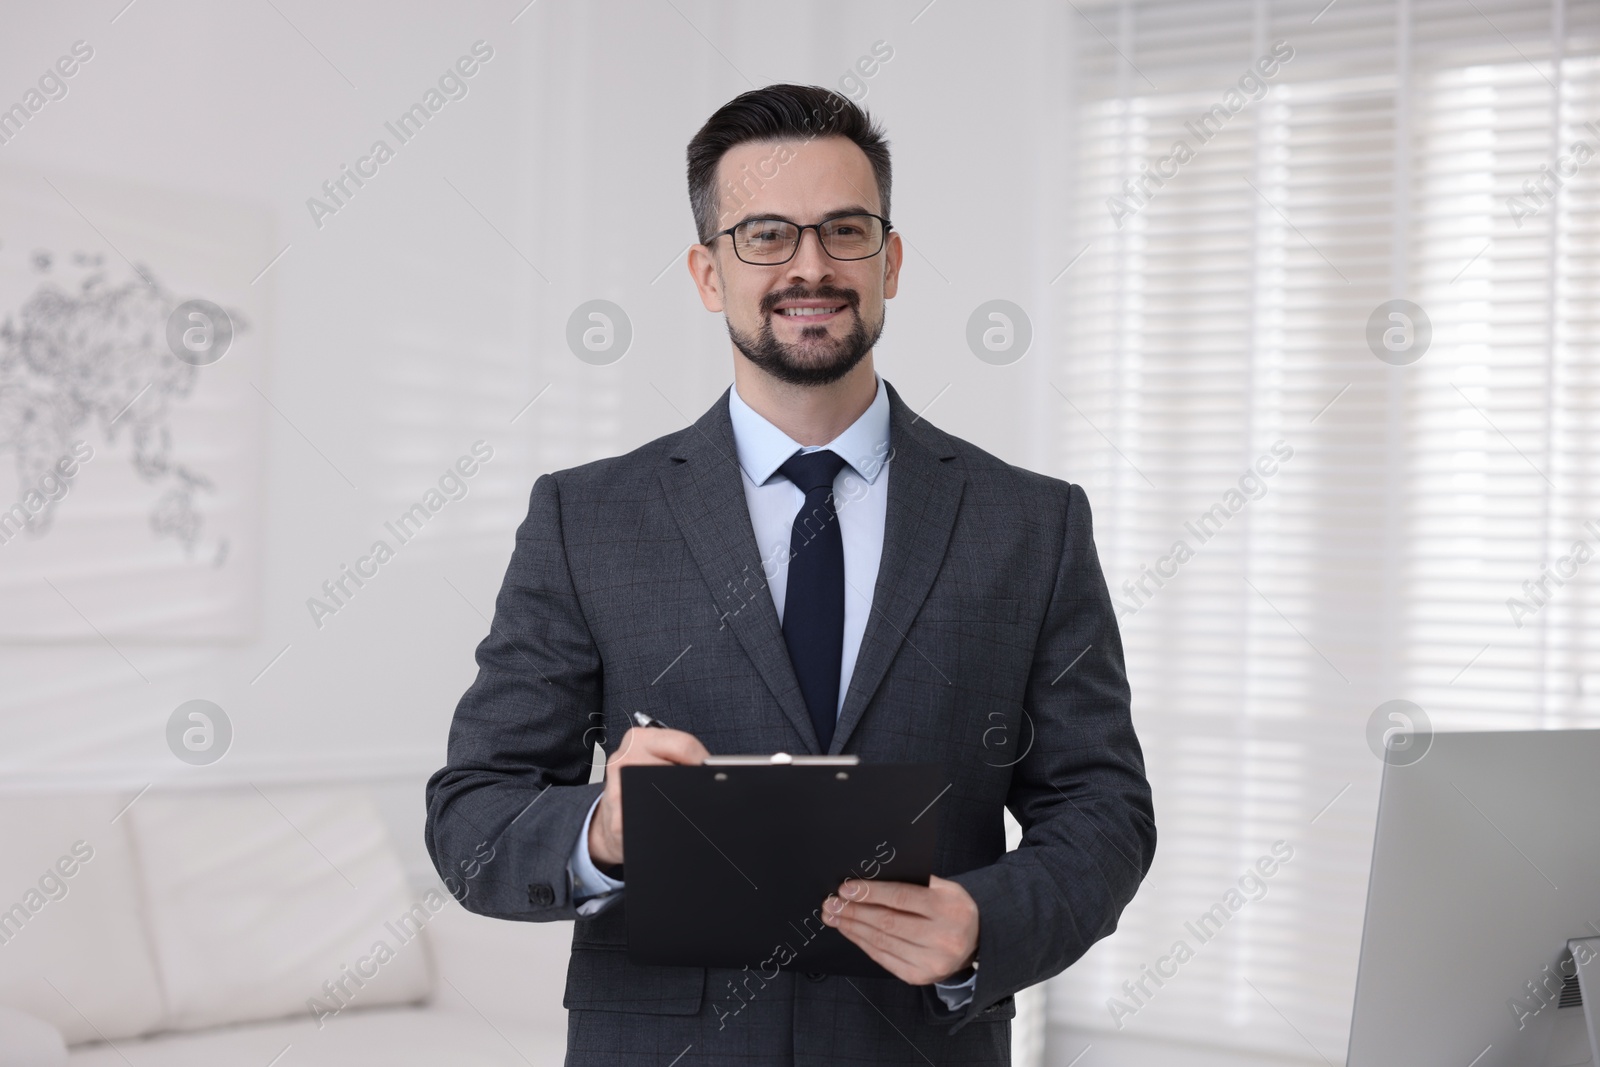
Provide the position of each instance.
(95, 359)
(130, 425)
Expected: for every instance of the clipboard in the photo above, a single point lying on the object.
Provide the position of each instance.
(728, 862)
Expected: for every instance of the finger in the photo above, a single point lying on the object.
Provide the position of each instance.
(624, 747)
(928, 944)
(896, 966)
(907, 961)
(904, 926)
(904, 896)
(640, 745)
(657, 747)
(879, 948)
(678, 746)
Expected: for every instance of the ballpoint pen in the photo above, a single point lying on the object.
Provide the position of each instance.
(642, 719)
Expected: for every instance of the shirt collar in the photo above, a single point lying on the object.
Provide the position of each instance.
(763, 448)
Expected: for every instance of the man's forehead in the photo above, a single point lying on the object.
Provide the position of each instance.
(795, 178)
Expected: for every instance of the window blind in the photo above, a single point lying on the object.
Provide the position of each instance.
(1296, 530)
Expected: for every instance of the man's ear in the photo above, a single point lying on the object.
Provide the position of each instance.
(893, 255)
(707, 275)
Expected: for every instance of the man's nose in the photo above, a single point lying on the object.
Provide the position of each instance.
(810, 260)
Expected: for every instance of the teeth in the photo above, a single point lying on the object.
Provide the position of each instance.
(807, 311)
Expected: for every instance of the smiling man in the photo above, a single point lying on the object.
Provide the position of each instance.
(810, 567)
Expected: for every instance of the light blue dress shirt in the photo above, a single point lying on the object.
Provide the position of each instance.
(861, 497)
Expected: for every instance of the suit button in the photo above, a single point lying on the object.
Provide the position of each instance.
(815, 976)
(541, 895)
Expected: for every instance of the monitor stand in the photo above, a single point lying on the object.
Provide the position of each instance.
(1569, 1035)
(1586, 954)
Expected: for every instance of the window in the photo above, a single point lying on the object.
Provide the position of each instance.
(1296, 530)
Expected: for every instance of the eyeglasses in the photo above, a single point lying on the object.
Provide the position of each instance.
(769, 242)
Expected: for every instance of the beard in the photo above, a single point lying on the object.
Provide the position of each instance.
(816, 360)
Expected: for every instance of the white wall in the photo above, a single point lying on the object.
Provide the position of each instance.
(427, 312)
(406, 327)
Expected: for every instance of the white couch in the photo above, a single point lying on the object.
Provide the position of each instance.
(191, 929)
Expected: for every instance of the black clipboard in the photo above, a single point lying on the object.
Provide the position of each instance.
(728, 862)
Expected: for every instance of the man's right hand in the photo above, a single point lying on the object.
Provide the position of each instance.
(652, 745)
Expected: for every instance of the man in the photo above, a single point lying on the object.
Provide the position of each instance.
(810, 567)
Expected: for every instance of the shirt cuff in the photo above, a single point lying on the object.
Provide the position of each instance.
(957, 995)
(591, 887)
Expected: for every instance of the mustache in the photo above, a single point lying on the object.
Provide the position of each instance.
(850, 297)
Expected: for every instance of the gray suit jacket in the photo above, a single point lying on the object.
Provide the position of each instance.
(992, 650)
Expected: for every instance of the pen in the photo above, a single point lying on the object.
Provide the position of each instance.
(645, 720)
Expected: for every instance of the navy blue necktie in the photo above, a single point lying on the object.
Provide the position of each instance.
(813, 602)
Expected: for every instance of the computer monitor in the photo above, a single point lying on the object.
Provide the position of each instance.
(1483, 905)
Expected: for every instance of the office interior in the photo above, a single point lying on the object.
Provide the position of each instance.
(1301, 292)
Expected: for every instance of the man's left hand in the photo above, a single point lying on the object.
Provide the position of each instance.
(919, 934)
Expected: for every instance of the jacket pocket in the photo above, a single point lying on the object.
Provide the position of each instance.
(603, 979)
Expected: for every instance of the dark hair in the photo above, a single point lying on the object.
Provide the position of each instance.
(773, 113)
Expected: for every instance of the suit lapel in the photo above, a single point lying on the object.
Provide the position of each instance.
(924, 493)
(704, 488)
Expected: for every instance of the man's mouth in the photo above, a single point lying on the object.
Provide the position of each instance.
(810, 312)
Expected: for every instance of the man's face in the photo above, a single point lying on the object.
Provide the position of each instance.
(802, 182)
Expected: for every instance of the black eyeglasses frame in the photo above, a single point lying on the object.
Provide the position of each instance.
(799, 238)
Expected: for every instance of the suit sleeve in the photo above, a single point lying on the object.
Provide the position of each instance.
(1080, 793)
(505, 811)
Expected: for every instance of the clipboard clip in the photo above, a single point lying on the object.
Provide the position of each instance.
(782, 759)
